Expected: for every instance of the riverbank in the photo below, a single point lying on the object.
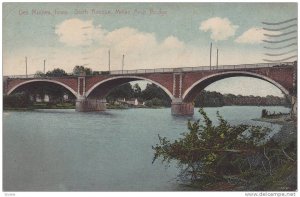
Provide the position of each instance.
(281, 120)
(285, 175)
(288, 131)
(71, 106)
(282, 174)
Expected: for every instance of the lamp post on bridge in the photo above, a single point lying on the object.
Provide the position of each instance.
(26, 66)
(44, 66)
(210, 57)
(123, 63)
(217, 58)
(109, 61)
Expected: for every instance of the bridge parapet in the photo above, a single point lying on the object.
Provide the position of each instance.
(171, 70)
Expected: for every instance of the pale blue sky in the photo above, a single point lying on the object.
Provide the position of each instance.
(179, 36)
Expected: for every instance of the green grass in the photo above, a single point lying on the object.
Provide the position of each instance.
(43, 106)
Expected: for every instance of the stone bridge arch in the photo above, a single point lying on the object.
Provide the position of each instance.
(190, 94)
(42, 80)
(105, 86)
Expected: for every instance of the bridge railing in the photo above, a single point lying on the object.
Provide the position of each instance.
(20, 76)
(168, 70)
(36, 76)
(201, 68)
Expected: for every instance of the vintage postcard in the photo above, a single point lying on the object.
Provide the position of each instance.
(150, 97)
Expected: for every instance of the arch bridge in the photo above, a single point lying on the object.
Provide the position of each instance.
(181, 84)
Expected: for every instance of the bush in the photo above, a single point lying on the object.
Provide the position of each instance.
(235, 155)
(155, 102)
(18, 100)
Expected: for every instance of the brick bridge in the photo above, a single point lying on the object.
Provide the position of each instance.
(181, 84)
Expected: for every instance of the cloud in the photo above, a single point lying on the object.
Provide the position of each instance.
(173, 42)
(76, 32)
(220, 28)
(129, 40)
(142, 51)
(254, 35)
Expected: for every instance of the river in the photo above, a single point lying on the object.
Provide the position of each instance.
(62, 150)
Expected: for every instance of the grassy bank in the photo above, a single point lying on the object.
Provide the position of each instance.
(72, 106)
(42, 106)
(120, 106)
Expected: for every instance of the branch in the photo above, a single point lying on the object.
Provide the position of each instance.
(268, 161)
(222, 150)
(249, 163)
(264, 165)
(287, 155)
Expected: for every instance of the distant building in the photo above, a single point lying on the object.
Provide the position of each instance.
(133, 102)
(39, 99)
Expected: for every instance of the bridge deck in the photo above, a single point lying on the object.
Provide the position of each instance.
(172, 70)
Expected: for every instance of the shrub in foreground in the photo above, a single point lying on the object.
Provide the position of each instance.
(228, 157)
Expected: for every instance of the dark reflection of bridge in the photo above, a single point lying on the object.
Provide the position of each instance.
(181, 84)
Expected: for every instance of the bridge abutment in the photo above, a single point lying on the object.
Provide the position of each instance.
(181, 108)
(86, 105)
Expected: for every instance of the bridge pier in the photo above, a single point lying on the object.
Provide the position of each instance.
(86, 105)
(178, 107)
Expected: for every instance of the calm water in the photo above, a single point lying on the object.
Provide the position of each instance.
(61, 150)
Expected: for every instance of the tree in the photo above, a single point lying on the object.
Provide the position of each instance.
(155, 102)
(120, 92)
(39, 74)
(79, 70)
(137, 91)
(55, 92)
(209, 99)
(57, 72)
(211, 154)
(96, 73)
(153, 91)
(18, 100)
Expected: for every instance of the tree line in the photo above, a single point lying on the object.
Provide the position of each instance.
(216, 99)
(152, 95)
(77, 70)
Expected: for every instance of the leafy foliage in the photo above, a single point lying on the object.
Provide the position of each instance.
(137, 91)
(231, 154)
(216, 99)
(153, 95)
(209, 99)
(120, 92)
(78, 70)
(18, 100)
(57, 72)
(153, 91)
(155, 102)
(39, 74)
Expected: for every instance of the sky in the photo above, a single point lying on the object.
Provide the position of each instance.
(150, 35)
